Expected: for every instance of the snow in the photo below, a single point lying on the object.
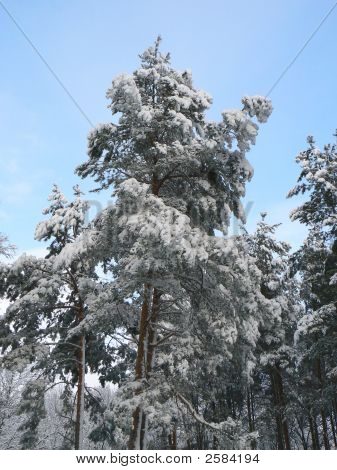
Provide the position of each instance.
(124, 94)
(258, 106)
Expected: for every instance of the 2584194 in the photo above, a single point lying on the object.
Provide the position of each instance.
(232, 458)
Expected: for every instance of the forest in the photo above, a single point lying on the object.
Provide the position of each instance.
(149, 326)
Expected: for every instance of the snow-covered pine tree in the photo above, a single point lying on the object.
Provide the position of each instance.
(276, 345)
(211, 361)
(316, 261)
(177, 177)
(318, 179)
(6, 248)
(41, 328)
(11, 385)
(309, 262)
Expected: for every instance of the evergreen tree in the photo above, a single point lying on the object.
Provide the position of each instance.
(177, 178)
(316, 263)
(6, 248)
(42, 327)
(275, 373)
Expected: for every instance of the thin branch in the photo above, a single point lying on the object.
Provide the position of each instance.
(195, 415)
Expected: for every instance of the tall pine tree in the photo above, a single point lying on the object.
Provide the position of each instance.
(177, 178)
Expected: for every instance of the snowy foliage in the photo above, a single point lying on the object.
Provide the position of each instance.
(318, 178)
(176, 179)
(209, 342)
(316, 264)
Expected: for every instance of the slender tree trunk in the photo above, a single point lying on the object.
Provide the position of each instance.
(325, 431)
(144, 361)
(80, 384)
(249, 412)
(135, 438)
(251, 423)
(173, 439)
(278, 415)
(282, 403)
(80, 396)
(280, 444)
(252, 401)
(283, 439)
(143, 432)
(314, 443)
(304, 442)
(332, 424)
(316, 433)
(152, 331)
(150, 352)
(319, 374)
(334, 411)
(286, 434)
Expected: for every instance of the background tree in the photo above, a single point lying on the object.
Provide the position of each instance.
(275, 373)
(6, 249)
(42, 326)
(316, 263)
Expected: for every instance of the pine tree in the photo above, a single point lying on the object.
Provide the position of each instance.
(177, 178)
(316, 263)
(42, 328)
(11, 385)
(276, 346)
(6, 248)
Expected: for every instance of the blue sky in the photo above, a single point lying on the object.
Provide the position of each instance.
(233, 49)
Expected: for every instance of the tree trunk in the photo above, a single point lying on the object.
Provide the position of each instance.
(152, 331)
(250, 412)
(144, 361)
(150, 351)
(143, 432)
(81, 383)
(316, 434)
(278, 415)
(145, 352)
(135, 434)
(325, 431)
(332, 424)
(252, 401)
(173, 439)
(283, 440)
(334, 411)
(319, 374)
(314, 443)
(80, 396)
(304, 442)
(286, 434)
